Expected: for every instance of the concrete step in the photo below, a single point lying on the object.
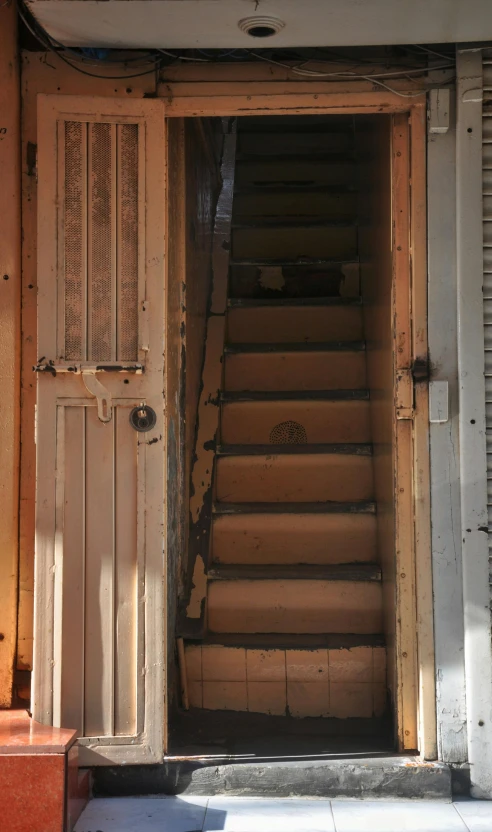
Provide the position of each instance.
(290, 370)
(339, 682)
(289, 323)
(299, 605)
(369, 776)
(293, 538)
(313, 421)
(294, 478)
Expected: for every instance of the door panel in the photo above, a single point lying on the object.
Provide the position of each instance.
(100, 567)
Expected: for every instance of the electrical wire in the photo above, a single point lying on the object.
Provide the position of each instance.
(154, 61)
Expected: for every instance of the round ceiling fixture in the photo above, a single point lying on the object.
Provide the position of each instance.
(261, 27)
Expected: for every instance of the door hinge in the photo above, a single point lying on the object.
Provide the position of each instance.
(406, 379)
(404, 393)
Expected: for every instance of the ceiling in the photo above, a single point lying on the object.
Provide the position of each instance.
(187, 24)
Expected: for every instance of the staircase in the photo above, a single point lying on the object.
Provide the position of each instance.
(294, 615)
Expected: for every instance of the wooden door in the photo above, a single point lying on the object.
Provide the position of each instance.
(100, 547)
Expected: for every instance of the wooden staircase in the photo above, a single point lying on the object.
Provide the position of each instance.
(294, 614)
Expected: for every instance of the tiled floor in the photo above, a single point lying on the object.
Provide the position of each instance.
(236, 814)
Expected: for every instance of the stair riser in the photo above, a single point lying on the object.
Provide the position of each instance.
(310, 478)
(296, 204)
(270, 325)
(295, 606)
(323, 422)
(292, 243)
(293, 143)
(302, 683)
(295, 371)
(276, 172)
(291, 539)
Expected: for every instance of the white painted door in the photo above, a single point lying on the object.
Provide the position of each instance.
(100, 547)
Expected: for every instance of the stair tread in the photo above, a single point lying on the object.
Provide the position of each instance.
(294, 641)
(354, 507)
(295, 572)
(306, 261)
(311, 156)
(356, 448)
(253, 303)
(310, 346)
(293, 188)
(293, 395)
(293, 222)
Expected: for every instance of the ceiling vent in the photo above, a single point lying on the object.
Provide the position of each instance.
(261, 27)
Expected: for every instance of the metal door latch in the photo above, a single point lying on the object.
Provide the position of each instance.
(103, 396)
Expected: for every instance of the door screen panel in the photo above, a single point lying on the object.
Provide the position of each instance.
(99, 222)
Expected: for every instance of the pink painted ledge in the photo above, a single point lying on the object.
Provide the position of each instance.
(19, 734)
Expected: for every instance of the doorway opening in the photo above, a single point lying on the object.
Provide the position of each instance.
(292, 650)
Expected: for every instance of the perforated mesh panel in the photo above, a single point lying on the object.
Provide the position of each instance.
(128, 242)
(75, 253)
(101, 242)
(288, 433)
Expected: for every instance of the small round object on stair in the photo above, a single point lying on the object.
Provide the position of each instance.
(288, 433)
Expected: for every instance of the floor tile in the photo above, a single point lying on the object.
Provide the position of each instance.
(143, 814)
(392, 816)
(264, 815)
(477, 814)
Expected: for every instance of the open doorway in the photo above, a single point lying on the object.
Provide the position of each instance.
(289, 641)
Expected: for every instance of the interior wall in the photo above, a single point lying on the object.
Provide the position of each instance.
(373, 137)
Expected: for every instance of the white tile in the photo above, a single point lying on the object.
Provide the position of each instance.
(477, 814)
(143, 814)
(393, 816)
(251, 814)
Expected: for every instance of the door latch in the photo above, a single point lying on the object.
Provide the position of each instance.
(103, 396)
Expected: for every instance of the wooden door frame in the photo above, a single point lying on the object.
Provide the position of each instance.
(415, 702)
(254, 91)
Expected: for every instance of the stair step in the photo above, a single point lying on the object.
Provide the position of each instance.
(325, 346)
(304, 369)
(302, 156)
(288, 538)
(294, 243)
(295, 188)
(297, 262)
(256, 303)
(273, 449)
(303, 606)
(339, 421)
(228, 396)
(261, 144)
(321, 507)
(311, 171)
(286, 478)
(289, 324)
(301, 681)
(273, 223)
(295, 641)
(295, 572)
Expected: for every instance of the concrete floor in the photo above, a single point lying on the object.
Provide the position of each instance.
(236, 814)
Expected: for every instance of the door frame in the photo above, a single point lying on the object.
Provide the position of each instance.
(415, 691)
(269, 95)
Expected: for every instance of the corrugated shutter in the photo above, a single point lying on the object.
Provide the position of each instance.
(487, 269)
